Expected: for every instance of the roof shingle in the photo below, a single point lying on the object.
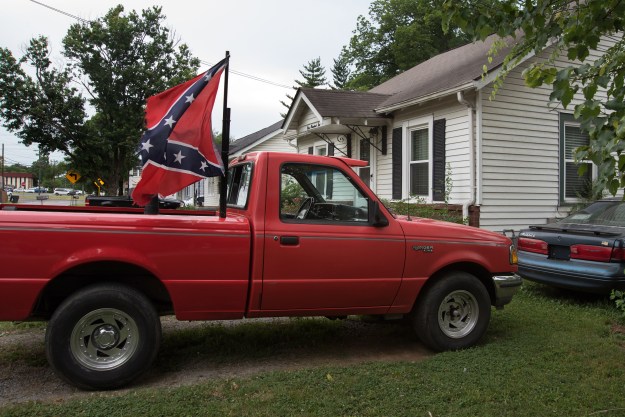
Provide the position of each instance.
(442, 72)
(339, 103)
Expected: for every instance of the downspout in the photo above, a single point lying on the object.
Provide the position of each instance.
(472, 156)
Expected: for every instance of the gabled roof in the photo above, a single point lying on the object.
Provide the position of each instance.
(255, 138)
(452, 69)
(325, 104)
(339, 103)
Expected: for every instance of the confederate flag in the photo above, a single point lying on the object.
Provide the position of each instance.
(177, 149)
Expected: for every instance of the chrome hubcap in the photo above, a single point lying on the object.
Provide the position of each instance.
(458, 314)
(104, 339)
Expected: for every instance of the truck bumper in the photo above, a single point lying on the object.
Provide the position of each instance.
(505, 287)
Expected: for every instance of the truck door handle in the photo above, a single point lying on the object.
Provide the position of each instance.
(289, 240)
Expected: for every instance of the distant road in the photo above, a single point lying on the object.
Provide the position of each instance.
(51, 200)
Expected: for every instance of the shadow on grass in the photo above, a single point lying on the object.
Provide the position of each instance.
(567, 297)
(296, 340)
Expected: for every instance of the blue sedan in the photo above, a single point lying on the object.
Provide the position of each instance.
(584, 251)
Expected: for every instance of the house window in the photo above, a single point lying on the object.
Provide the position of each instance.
(320, 178)
(365, 155)
(419, 159)
(572, 185)
(419, 162)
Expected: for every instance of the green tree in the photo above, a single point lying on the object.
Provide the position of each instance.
(120, 60)
(340, 73)
(43, 109)
(314, 76)
(398, 35)
(572, 29)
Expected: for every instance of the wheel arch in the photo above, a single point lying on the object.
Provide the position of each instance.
(477, 270)
(81, 276)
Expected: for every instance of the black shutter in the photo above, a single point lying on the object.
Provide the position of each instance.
(397, 163)
(384, 140)
(311, 150)
(330, 149)
(438, 159)
(348, 140)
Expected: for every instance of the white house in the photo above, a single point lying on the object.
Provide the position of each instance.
(433, 132)
(270, 138)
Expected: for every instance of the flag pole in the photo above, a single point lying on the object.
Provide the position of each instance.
(225, 143)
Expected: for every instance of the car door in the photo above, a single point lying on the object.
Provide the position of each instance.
(322, 253)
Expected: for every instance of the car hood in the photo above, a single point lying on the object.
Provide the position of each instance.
(421, 228)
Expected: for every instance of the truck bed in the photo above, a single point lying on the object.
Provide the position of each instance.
(201, 259)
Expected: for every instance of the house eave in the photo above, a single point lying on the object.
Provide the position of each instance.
(420, 100)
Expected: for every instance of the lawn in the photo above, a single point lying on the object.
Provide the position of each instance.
(548, 353)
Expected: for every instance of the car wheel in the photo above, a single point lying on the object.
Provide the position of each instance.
(103, 337)
(453, 313)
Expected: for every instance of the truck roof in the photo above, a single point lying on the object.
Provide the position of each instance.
(298, 156)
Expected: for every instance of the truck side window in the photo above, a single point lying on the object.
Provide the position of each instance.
(320, 194)
(239, 177)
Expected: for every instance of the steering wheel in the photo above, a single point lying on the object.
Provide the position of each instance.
(305, 208)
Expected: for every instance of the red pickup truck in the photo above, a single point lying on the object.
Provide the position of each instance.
(303, 236)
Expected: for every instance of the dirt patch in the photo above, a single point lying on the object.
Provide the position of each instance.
(29, 378)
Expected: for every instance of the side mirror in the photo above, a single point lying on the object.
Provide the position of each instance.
(376, 216)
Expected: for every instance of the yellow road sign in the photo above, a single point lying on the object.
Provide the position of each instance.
(72, 176)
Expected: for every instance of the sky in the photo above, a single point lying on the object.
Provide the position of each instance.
(267, 39)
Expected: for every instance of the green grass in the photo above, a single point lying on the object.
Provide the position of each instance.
(16, 327)
(548, 353)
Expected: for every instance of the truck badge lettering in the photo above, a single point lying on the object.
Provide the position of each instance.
(425, 249)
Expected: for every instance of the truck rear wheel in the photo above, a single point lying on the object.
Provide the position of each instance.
(103, 337)
(453, 313)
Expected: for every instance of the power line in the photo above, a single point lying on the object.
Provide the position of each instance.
(242, 74)
(252, 77)
(61, 11)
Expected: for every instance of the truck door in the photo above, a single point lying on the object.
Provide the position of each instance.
(322, 254)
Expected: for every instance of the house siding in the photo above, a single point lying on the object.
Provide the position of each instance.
(456, 148)
(520, 153)
(307, 119)
(274, 144)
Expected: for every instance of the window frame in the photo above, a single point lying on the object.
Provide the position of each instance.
(421, 123)
(357, 152)
(567, 119)
(249, 186)
(362, 192)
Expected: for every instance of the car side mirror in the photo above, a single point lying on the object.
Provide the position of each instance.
(377, 218)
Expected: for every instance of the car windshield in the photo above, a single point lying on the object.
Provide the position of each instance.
(607, 213)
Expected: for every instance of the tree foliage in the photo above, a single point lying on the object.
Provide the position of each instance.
(340, 73)
(397, 35)
(44, 108)
(120, 60)
(314, 75)
(571, 29)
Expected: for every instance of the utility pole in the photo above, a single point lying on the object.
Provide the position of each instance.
(2, 185)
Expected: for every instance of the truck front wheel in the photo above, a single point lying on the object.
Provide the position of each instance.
(453, 313)
(103, 337)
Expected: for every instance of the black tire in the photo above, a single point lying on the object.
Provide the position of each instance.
(453, 313)
(103, 337)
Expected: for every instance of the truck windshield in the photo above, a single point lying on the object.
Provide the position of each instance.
(239, 177)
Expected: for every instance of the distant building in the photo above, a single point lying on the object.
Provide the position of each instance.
(17, 180)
